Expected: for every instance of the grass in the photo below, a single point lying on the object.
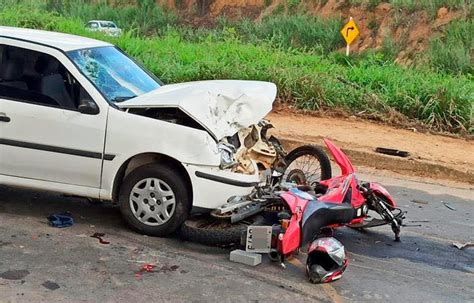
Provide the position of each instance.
(454, 51)
(431, 6)
(306, 78)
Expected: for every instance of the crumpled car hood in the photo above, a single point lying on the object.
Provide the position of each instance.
(223, 107)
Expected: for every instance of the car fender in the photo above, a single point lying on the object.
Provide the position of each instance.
(129, 135)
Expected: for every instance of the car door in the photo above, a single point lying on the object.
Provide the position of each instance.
(43, 134)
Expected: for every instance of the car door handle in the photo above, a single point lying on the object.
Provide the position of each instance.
(4, 118)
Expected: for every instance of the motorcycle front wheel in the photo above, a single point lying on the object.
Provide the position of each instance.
(210, 231)
(307, 165)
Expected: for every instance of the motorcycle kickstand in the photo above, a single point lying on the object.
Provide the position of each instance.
(396, 230)
(282, 261)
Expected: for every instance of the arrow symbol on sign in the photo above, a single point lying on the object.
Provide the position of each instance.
(348, 29)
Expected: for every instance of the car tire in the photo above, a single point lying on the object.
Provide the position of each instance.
(154, 200)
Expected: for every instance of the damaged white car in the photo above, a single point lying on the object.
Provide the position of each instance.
(79, 116)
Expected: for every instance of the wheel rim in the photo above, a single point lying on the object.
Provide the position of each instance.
(307, 165)
(152, 201)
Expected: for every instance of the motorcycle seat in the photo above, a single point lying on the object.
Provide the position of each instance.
(319, 214)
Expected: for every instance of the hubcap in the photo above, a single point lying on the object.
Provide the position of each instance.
(152, 201)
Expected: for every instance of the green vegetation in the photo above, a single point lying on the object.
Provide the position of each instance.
(454, 51)
(431, 6)
(310, 77)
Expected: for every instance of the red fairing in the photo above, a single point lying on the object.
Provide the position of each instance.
(381, 191)
(337, 189)
(291, 238)
(340, 158)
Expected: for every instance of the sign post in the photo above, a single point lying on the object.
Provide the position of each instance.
(349, 32)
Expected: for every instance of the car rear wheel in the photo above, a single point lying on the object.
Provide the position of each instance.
(154, 200)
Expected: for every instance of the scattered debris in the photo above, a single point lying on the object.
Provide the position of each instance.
(99, 237)
(419, 201)
(147, 267)
(4, 243)
(150, 268)
(461, 246)
(244, 257)
(61, 220)
(419, 221)
(50, 285)
(468, 268)
(14, 274)
(448, 206)
(392, 152)
(166, 268)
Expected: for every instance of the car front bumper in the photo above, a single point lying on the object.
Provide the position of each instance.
(212, 187)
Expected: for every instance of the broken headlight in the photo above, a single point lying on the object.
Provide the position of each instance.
(227, 155)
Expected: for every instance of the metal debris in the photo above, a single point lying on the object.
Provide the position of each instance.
(419, 201)
(461, 246)
(448, 206)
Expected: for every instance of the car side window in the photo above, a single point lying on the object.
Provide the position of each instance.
(92, 25)
(35, 77)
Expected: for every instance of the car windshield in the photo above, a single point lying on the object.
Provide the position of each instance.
(117, 76)
(108, 24)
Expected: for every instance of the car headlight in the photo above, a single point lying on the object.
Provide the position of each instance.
(227, 155)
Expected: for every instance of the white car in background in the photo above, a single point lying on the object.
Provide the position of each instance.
(107, 27)
(78, 116)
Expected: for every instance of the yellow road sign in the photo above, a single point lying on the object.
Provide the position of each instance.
(350, 32)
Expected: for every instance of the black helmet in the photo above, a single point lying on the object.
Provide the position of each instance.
(326, 260)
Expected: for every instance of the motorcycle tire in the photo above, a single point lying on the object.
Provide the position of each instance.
(213, 232)
(311, 151)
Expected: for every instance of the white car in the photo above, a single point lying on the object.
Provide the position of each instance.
(78, 116)
(107, 27)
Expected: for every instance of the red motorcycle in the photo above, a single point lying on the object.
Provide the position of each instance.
(310, 212)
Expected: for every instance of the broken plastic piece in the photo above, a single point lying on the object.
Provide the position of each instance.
(419, 201)
(461, 246)
(61, 220)
(147, 267)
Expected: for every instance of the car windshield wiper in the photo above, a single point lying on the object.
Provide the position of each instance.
(119, 99)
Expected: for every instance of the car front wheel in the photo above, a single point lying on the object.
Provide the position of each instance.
(154, 200)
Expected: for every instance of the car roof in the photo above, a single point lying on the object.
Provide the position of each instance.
(108, 21)
(64, 42)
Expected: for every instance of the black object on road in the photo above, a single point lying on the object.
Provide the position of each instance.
(392, 152)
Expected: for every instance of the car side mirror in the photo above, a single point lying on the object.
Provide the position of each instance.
(88, 107)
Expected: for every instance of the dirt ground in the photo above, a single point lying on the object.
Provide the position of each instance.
(429, 153)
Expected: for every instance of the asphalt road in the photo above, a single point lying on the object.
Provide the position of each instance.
(39, 263)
